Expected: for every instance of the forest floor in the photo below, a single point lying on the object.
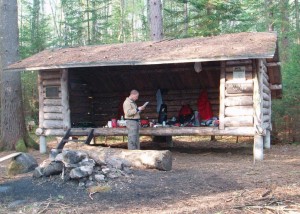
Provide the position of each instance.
(207, 177)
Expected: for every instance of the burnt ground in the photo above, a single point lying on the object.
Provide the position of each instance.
(207, 177)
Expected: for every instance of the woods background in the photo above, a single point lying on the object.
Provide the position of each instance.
(61, 23)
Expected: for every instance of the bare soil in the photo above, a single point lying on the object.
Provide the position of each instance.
(207, 177)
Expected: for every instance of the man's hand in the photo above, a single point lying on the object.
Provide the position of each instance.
(141, 108)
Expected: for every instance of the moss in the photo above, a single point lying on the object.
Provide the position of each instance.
(21, 146)
(14, 168)
(31, 143)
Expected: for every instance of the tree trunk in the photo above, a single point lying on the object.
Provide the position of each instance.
(270, 15)
(284, 29)
(186, 18)
(297, 21)
(152, 159)
(156, 20)
(12, 116)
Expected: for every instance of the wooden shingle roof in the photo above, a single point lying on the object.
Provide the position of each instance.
(223, 47)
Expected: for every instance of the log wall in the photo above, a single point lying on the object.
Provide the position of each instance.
(54, 111)
(262, 99)
(98, 108)
(236, 95)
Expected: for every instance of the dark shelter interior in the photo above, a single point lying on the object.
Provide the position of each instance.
(97, 93)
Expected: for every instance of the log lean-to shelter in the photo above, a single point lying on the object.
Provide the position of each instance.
(83, 87)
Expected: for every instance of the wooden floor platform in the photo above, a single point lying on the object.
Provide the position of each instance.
(168, 131)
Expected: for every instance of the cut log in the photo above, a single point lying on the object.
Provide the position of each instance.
(52, 102)
(237, 88)
(247, 68)
(239, 101)
(53, 124)
(53, 116)
(266, 97)
(238, 111)
(240, 121)
(51, 82)
(53, 109)
(152, 159)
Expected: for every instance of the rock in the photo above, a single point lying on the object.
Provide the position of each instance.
(45, 163)
(87, 162)
(127, 170)
(80, 172)
(38, 172)
(106, 170)
(99, 178)
(81, 184)
(113, 175)
(73, 157)
(59, 157)
(53, 153)
(22, 164)
(115, 163)
(54, 168)
(89, 183)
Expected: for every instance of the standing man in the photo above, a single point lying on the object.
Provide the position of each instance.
(132, 117)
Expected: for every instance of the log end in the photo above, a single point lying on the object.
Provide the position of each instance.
(165, 162)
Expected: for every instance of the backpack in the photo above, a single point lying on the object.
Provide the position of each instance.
(162, 116)
(185, 114)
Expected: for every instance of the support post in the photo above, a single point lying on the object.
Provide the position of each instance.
(267, 140)
(65, 100)
(222, 97)
(258, 147)
(43, 144)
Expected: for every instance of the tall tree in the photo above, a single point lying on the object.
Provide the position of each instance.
(156, 20)
(13, 131)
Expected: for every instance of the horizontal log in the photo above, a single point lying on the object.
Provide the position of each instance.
(276, 87)
(266, 97)
(239, 111)
(248, 68)
(266, 104)
(240, 121)
(266, 118)
(151, 159)
(53, 124)
(238, 95)
(239, 87)
(266, 111)
(52, 109)
(239, 62)
(168, 131)
(248, 75)
(52, 102)
(51, 75)
(51, 82)
(265, 75)
(239, 101)
(265, 82)
(266, 89)
(53, 116)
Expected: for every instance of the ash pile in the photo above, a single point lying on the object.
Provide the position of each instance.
(73, 165)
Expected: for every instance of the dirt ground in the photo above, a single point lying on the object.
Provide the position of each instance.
(207, 177)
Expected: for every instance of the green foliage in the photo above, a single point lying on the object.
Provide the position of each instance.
(21, 146)
(31, 143)
(14, 168)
